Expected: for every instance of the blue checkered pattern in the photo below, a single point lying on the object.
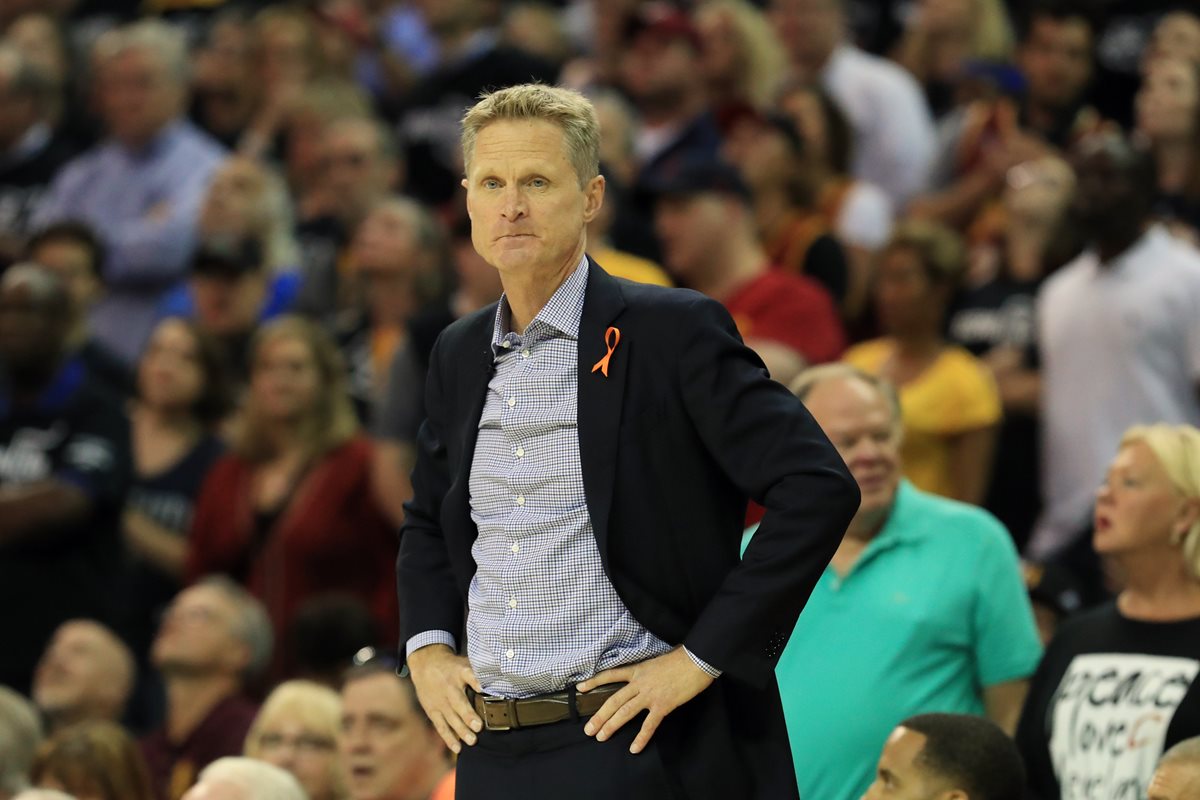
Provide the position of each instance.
(542, 612)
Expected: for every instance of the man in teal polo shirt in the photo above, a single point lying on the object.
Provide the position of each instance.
(921, 610)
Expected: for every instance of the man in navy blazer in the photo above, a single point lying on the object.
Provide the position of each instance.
(581, 481)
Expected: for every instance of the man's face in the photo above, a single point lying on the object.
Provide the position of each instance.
(1176, 36)
(660, 70)
(138, 96)
(72, 262)
(227, 305)
(528, 212)
(1177, 781)
(30, 331)
(76, 673)
(356, 171)
(197, 635)
(689, 228)
(1057, 61)
(388, 259)
(388, 748)
(858, 421)
(898, 776)
(1106, 193)
(809, 29)
(233, 200)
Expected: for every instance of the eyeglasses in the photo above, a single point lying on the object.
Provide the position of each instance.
(305, 743)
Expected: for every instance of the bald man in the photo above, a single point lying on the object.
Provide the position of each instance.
(1178, 773)
(86, 673)
(64, 468)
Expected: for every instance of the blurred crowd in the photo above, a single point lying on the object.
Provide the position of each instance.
(964, 231)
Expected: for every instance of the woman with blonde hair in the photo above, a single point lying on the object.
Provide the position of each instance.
(289, 512)
(1118, 685)
(744, 61)
(297, 729)
(93, 760)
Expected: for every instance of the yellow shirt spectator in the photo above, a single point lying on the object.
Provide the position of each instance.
(626, 265)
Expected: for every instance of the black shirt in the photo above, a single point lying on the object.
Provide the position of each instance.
(25, 178)
(76, 433)
(1111, 695)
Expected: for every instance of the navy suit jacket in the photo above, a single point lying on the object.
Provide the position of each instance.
(685, 427)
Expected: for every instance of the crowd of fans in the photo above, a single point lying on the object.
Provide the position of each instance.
(964, 231)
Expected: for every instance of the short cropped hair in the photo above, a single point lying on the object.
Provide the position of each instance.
(72, 232)
(166, 42)
(811, 378)
(568, 109)
(20, 733)
(251, 624)
(972, 753)
(258, 779)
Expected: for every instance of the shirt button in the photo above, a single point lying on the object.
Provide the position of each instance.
(509, 655)
(512, 401)
(525, 353)
(516, 548)
(520, 452)
(506, 344)
(512, 602)
(521, 500)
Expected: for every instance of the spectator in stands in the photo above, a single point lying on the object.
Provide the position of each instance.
(30, 151)
(248, 199)
(96, 760)
(921, 609)
(85, 674)
(303, 148)
(215, 639)
(942, 36)
(1055, 55)
(1178, 773)
(297, 730)
(233, 778)
(1126, 671)
(1168, 116)
(1118, 338)
(20, 734)
(948, 398)
(537, 29)
(893, 134)
(64, 471)
(743, 58)
(707, 228)
(993, 318)
(289, 511)
(224, 91)
(948, 755)
(72, 251)
(141, 189)
(1177, 35)
(389, 748)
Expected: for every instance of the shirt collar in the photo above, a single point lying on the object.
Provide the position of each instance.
(562, 313)
(1141, 252)
(902, 526)
(160, 143)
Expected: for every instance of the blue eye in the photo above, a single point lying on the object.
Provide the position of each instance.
(491, 183)
(538, 183)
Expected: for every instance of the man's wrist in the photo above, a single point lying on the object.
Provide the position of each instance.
(704, 666)
(428, 638)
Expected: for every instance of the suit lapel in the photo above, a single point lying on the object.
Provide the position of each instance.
(600, 398)
(478, 366)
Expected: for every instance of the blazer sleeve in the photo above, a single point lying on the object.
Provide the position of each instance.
(768, 444)
(429, 597)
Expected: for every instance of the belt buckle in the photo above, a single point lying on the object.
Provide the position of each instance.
(505, 707)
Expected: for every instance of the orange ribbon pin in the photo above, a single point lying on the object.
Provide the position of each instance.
(614, 335)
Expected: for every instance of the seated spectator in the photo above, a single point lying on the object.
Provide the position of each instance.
(289, 512)
(1118, 338)
(942, 36)
(892, 132)
(994, 320)
(230, 292)
(707, 228)
(20, 734)
(1177, 35)
(1178, 774)
(297, 730)
(64, 471)
(233, 778)
(389, 748)
(182, 397)
(921, 609)
(249, 200)
(215, 639)
(96, 760)
(141, 189)
(224, 92)
(1118, 684)
(768, 153)
(1168, 116)
(948, 397)
(72, 251)
(86, 674)
(537, 29)
(948, 755)
(743, 59)
(302, 150)
(1056, 57)
(30, 153)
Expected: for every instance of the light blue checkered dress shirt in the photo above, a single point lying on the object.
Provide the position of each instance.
(542, 613)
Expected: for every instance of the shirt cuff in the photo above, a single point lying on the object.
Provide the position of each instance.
(430, 637)
(709, 669)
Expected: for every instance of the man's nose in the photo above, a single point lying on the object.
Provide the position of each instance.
(513, 207)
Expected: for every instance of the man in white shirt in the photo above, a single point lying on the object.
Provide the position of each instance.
(1119, 334)
(894, 142)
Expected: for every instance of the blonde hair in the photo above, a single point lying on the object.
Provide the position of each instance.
(762, 60)
(96, 758)
(317, 707)
(566, 108)
(1177, 448)
(330, 423)
(940, 249)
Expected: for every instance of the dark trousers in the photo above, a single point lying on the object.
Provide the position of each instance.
(559, 761)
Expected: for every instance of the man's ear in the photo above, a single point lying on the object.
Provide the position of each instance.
(594, 193)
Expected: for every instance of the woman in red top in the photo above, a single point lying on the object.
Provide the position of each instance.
(289, 512)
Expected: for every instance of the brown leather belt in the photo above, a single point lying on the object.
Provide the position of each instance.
(506, 714)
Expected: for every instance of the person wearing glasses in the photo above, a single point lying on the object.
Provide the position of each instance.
(297, 729)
